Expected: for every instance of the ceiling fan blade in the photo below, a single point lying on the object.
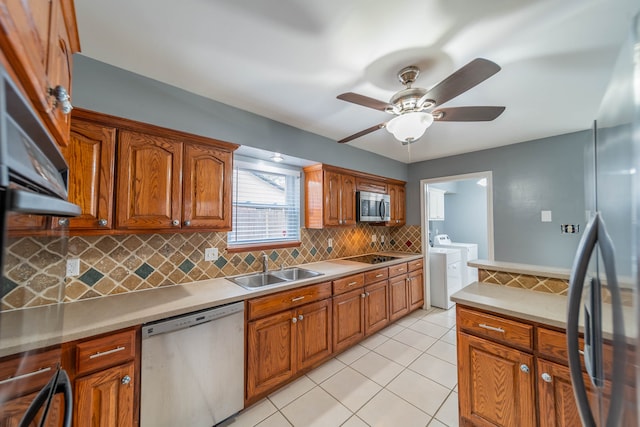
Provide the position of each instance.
(364, 101)
(467, 114)
(362, 133)
(472, 74)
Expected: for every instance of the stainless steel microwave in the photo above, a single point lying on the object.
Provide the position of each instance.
(373, 207)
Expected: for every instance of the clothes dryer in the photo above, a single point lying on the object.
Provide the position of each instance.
(469, 252)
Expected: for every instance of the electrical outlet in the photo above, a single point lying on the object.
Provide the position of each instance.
(73, 267)
(330, 243)
(211, 254)
(382, 238)
(373, 238)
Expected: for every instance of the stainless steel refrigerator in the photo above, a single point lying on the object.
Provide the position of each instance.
(603, 293)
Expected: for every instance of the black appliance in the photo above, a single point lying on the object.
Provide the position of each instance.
(33, 188)
(373, 207)
(372, 258)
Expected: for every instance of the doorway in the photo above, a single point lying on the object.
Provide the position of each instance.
(471, 218)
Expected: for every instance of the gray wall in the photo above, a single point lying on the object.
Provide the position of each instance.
(101, 87)
(545, 174)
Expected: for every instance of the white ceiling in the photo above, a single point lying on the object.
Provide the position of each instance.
(288, 59)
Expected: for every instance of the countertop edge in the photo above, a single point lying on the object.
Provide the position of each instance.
(512, 267)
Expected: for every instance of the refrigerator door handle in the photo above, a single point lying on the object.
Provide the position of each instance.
(595, 233)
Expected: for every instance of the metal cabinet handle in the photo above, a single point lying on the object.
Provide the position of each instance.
(187, 223)
(175, 222)
(300, 317)
(63, 222)
(363, 295)
(297, 299)
(351, 283)
(367, 293)
(126, 380)
(104, 353)
(102, 222)
(294, 320)
(379, 275)
(524, 368)
(27, 375)
(546, 377)
(491, 328)
(61, 96)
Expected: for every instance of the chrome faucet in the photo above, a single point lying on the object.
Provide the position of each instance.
(265, 263)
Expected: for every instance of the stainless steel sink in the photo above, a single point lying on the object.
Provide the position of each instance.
(258, 280)
(296, 273)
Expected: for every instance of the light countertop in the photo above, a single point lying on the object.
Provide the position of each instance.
(38, 327)
(512, 267)
(539, 307)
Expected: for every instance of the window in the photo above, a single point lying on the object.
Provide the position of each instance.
(266, 204)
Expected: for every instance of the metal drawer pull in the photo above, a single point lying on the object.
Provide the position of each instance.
(297, 299)
(351, 283)
(104, 353)
(27, 375)
(491, 328)
(546, 377)
(379, 275)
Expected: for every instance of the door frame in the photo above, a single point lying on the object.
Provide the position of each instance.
(424, 221)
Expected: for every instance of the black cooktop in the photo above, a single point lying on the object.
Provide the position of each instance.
(372, 258)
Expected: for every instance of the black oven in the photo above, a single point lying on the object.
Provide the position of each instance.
(33, 190)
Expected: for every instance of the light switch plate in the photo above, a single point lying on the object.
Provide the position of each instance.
(373, 238)
(73, 267)
(545, 216)
(211, 254)
(330, 243)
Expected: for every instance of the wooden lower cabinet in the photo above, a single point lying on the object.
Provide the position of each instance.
(348, 319)
(496, 384)
(106, 398)
(11, 412)
(376, 307)
(416, 289)
(398, 297)
(280, 345)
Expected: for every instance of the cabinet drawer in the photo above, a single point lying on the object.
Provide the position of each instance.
(376, 275)
(27, 373)
(269, 304)
(513, 333)
(348, 283)
(397, 269)
(414, 265)
(101, 353)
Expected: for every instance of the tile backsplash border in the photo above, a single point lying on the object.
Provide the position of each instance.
(118, 264)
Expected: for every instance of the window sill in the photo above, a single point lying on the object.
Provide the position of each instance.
(263, 246)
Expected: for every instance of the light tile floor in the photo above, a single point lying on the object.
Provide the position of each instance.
(404, 375)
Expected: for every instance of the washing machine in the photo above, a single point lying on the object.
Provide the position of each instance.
(469, 253)
(445, 279)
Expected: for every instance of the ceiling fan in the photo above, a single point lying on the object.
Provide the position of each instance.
(415, 109)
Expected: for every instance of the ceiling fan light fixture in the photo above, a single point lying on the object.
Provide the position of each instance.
(409, 127)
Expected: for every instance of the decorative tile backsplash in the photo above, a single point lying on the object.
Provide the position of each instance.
(117, 264)
(524, 281)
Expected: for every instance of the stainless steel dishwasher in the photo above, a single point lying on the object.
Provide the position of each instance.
(193, 368)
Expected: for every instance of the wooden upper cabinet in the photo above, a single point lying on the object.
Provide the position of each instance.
(330, 195)
(397, 197)
(91, 159)
(149, 182)
(38, 40)
(207, 187)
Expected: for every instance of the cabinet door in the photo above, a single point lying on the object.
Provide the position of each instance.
(398, 297)
(11, 411)
(105, 398)
(313, 333)
(270, 352)
(400, 205)
(332, 185)
(348, 319)
(26, 222)
(496, 384)
(59, 68)
(416, 290)
(348, 200)
(557, 404)
(207, 187)
(90, 156)
(149, 177)
(376, 307)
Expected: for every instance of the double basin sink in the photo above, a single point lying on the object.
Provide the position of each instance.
(258, 280)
